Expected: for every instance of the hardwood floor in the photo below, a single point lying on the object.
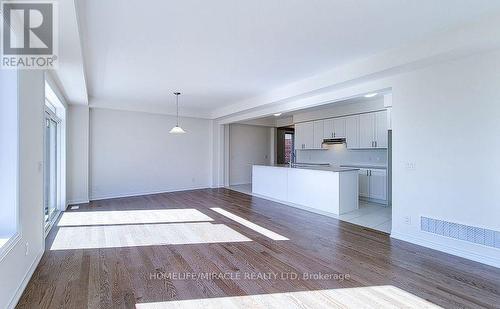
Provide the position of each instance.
(118, 253)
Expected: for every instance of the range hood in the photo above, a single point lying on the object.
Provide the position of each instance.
(333, 141)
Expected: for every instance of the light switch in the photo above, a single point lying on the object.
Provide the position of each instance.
(410, 165)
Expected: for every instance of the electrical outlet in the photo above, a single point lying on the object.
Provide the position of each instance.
(407, 220)
(27, 247)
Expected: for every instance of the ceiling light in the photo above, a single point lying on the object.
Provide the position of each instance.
(371, 95)
(177, 129)
(277, 114)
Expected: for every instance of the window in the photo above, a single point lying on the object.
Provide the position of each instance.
(9, 222)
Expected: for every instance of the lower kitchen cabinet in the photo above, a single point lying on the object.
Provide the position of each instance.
(373, 184)
(364, 183)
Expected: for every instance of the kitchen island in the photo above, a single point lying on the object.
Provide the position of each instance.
(322, 189)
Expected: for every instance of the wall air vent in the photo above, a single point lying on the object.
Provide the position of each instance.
(468, 233)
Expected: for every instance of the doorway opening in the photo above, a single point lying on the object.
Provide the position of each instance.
(284, 145)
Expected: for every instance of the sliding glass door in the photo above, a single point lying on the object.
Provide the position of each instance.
(51, 167)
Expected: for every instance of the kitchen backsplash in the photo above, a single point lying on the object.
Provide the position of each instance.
(340, 155)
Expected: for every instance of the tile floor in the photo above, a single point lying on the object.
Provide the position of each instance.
(372, 215)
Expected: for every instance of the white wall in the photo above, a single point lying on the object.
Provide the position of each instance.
(248, 145)
(132, 153)
(78, 154)
(446, 120)
(9, 155)
(18, 265)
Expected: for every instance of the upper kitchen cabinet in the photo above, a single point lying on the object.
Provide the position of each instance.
(381, 127)
(352, 132)
(309, 135)
(328, 128)
(373, 130)
(318, 128)
(304, 135)
(339, 127)
(335, 128)
(360, 131)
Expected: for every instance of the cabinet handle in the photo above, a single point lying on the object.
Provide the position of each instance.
(366, 172)
(370, 172)
(372, 144)
(375, 144)
(332, 135)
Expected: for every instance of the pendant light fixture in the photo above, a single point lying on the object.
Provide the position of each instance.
(177, 129)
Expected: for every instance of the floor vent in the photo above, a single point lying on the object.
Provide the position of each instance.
(468, 233)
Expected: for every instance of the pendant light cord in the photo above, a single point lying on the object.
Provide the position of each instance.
(177, 103)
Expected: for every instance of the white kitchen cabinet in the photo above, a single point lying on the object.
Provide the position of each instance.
(362, 131)
(366, 130)
(378, 184)
(373, 130)
(297, 143)
(335, 128)
(328, 129)
(339, 127)
(304, 135)
(352, 132)
(309, 135)
(364, 183)
(317, 134)
(381, 129)
(373, 184)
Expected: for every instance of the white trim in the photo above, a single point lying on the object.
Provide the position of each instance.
(13, 301)
(121, 195)
(51, 223)
(466, 254)
(238, 184)
(9, 245)
(77, 202)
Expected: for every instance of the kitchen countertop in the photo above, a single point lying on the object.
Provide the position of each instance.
(381, 167)
(335, 169)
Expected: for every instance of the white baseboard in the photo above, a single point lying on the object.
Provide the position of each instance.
(15, 299)
(121, 195)
(467, 254)
(240, 184)
(76, 202)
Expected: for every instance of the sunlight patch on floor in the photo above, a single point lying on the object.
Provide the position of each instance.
(257, 228)
(115, 236)
(132, 217)
(386, 296)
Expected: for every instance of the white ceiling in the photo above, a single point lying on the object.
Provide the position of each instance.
(220, 52)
